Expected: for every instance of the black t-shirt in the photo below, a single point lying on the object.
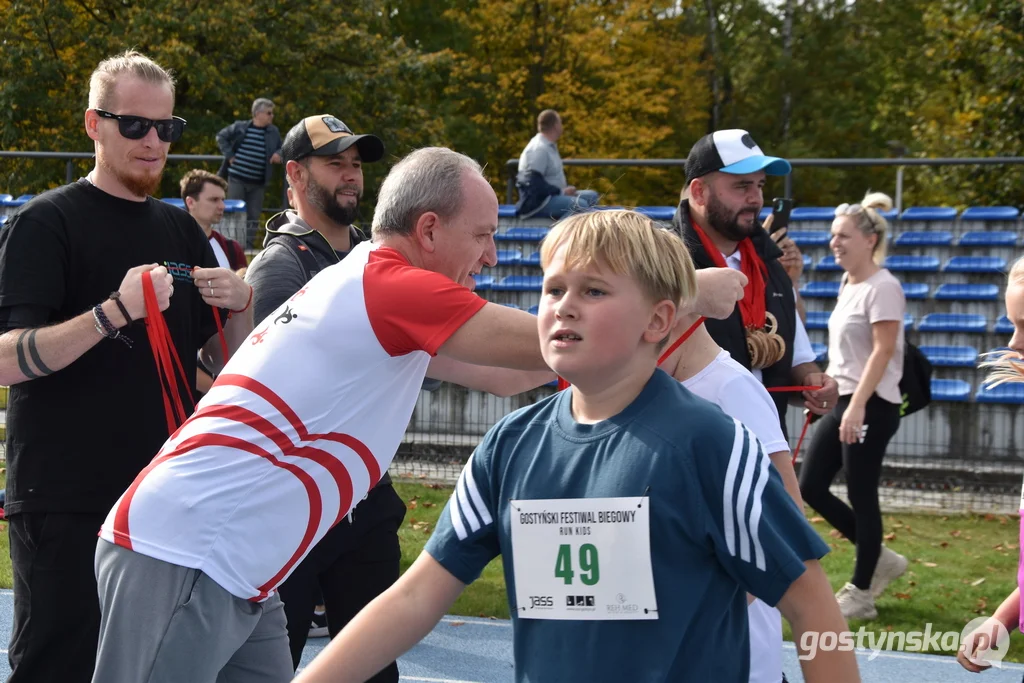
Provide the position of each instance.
(77, 438)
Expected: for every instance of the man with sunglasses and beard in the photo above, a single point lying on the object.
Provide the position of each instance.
(86, 412)
(359, 557)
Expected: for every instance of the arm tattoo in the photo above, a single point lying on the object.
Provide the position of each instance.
(34, 352)
(22, 361)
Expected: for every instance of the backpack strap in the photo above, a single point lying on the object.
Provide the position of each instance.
(306, 258)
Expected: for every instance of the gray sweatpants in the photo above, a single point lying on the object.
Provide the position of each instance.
(162, 623)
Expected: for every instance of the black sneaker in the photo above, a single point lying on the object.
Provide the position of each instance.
(318, 629)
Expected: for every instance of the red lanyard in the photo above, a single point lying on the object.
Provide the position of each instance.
(162, 344)
(807, 421)
(163, 351)
(562, 384)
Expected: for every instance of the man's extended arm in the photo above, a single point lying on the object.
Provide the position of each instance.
(31, 353)
(493, 380)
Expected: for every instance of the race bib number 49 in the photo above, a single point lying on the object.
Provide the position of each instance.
(585, 558)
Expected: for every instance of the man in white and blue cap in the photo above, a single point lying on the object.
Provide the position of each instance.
(725, 176)
(718, 220)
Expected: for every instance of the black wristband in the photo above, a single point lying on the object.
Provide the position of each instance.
(116, 296)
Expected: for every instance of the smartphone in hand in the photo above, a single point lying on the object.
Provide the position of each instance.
(781, 206)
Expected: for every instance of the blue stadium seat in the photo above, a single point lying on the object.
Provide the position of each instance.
(658, 213)
(915, 290)
(820, 290)
(812, 213)
(519, 283)
(809, 238)
(234, 205)
(914, 264)
(4, 198)
(1003, 325)
(820, 352)
(506, 210)
(908, 322)
(949, 291)
(808, 262)
(975, 264)
(509, 257)
(483, 282)
(521, 234)
(990, 213)
(953, 322)
(174, 201)
(828, 263)
(929, 213)
(532, 260)
(951, 356)
(1011, 392)
(953, 390)
(512, 306)
(817, 320)
(3, 219)
(985, 238)
(533, 310)
(924, 238)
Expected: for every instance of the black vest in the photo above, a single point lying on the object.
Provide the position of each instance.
(779, 301)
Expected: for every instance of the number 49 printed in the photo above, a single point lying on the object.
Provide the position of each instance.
(590, 572)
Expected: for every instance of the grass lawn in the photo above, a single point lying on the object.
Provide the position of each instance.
(961, 567)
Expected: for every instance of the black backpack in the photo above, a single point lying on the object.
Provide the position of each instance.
(306, 258)
(916, 384)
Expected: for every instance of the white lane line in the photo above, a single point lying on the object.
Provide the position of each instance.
(888, 654)
(476, 622)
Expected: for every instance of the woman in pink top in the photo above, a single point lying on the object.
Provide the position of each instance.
(865, 353)
(988, 641)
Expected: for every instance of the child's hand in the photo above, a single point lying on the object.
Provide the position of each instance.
(975, 647)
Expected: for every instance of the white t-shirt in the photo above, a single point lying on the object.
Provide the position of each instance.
(302, 422)
(802, 351)
(850, 339)
(733, 388)
(222, 258)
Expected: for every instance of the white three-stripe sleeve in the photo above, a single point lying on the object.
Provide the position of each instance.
(728, 524)
(468, 504)
(745, 479)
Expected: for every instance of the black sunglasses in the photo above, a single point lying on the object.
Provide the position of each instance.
(136, 127)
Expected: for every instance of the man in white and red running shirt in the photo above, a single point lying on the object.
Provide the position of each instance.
(298, 427)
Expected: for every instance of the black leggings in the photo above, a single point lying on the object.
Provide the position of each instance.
(862, 463)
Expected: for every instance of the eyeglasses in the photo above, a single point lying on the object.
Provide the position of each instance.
(136, 127)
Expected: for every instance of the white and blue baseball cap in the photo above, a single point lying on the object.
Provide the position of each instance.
(731, 151)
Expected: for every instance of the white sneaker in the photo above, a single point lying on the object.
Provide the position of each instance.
(856, 603)
(890, 567)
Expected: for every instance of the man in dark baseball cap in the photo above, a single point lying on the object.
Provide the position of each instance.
(358, 557)
(326, 135)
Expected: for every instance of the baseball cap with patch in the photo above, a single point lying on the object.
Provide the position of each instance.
(731, 151)
(326, 135)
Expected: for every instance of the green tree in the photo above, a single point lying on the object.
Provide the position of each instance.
(625, 77)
